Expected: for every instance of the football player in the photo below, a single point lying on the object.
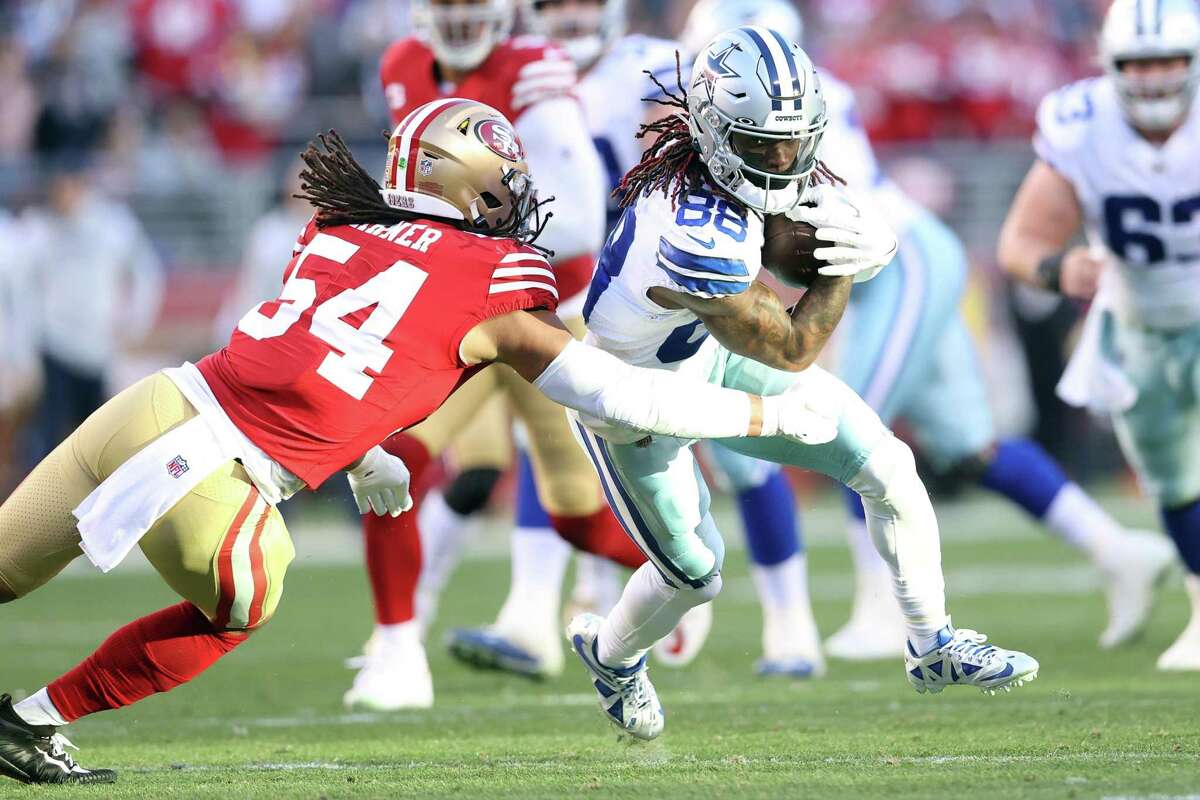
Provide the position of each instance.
(906, 351)
(394, 297)
(675, 290)
(465, 48)
(1119, 157)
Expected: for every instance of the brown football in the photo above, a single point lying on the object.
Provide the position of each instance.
(788, 251)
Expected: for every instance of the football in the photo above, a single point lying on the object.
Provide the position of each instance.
(788, 251)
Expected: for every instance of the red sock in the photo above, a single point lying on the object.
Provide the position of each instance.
(149, 655)
(600, 534)
(393, 544)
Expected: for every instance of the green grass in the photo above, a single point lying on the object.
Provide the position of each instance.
(267, 722)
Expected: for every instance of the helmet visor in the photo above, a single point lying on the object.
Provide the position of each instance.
(771, 158)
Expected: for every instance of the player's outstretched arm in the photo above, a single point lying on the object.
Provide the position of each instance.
(601, 386)
(1044, 217)
(755, 323)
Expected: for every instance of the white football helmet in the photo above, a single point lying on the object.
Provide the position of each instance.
(584, 29)
(462, 35)
(750, 86)
(1136, 30)
(709, 17)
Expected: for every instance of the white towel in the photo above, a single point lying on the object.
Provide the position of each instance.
(119, 512)
(1090, 380)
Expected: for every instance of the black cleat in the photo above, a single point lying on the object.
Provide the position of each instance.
(37, 753)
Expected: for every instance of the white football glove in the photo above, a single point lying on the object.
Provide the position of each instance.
(863, 243)
(802, 414)
(380, 483)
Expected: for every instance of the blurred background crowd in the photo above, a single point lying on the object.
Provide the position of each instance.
(148, 147)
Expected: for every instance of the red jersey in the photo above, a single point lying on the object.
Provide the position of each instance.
(364, 338)
(517, 73)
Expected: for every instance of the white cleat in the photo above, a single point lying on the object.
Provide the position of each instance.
(1137, 568)
(1184, 654)
(394, 677)
(683, 644)
(875, 630)
(962, 658)
(359, 661)
(791, 646)
(627, 698)
(535, 652)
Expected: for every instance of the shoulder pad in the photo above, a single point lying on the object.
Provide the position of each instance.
(1063, 119)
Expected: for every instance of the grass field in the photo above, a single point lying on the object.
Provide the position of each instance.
(268, 722)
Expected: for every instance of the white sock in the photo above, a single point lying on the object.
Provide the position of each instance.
(867, 561)
(904, 528)
(1079, 521)
(539, 562)
(444, 533)
(648, 610)
(38, 709)
(597, 582)
(782, 586)
(400, 636)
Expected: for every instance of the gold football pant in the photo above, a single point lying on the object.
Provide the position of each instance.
(471, 423)
(222, 547)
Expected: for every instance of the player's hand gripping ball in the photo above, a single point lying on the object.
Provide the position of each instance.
(788, 251)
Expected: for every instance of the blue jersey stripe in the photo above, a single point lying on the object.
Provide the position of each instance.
(703, 285)
(791, 60)
(772, 73)
(730, 267)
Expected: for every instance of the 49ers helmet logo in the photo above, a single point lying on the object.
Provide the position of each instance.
(500, 139)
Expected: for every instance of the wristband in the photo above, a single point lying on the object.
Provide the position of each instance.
(770, 416)
(1049, 272)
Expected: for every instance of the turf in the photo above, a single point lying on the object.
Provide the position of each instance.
(267, 722)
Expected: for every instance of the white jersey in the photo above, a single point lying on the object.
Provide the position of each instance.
(612, 95)
(706, 246)
(1140, 201)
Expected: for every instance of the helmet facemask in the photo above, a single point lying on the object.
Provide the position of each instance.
(463, 34)
(1156, 99)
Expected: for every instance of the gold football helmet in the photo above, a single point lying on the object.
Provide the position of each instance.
(461, 160)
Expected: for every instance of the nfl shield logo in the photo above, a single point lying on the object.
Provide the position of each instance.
(177, 466)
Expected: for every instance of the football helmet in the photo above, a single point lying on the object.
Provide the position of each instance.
(585, 31)
(756, 115)
(461, 160)
(1137, 30)
(462, 33)
(709, 17)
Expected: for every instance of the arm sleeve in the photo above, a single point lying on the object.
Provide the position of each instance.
(602, 387)
(565, 166)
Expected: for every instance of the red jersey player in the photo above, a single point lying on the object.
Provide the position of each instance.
(464, 48)
(392, 299)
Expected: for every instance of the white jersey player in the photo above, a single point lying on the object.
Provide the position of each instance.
(675, 289)
(1119, 156)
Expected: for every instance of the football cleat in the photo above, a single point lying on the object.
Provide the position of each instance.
(797, 668)
(626, 696)
(682, 645)
(1139, 564)
(393, 677)
(489, 648)
(791, 646)
(38, 753)
(1184, 654)
(963, 658)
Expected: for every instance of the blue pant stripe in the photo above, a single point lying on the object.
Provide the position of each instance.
(911, 308)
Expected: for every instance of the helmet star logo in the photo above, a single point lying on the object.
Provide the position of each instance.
(717, 65)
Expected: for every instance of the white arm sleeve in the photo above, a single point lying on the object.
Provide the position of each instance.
(565, 166)
(602, 387)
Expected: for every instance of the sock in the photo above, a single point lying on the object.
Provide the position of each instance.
(769, 517)
(904, 528)
(539, 562)
(444, 533)
(868, 564)
(402, 635)
(600, 534)
(1183, 524)
(648, 610)
(153, 654)
(782, 586)
(1026, 474)
(38, 709)
(1082, 523)
(393, 544)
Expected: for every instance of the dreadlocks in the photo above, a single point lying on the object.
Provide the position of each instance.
(671, 164)
(345, 194)
(341, 190)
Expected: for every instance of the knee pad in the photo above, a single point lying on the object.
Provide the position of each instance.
(890, 463)
(468, 493)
